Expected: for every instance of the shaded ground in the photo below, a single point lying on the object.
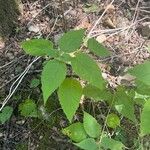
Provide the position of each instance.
(120, 29)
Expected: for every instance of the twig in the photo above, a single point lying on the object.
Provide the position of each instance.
(8, 82)
(38, 14)
(19, 80)
(119, 30)
(52, 27)
(98, 21)
(135, 16)
(106, 121)
(1, 67)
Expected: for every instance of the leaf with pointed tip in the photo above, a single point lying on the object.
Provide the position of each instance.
(142, 88)
(39, 47)
(97, 48)
(71, 41)
(108, 143)
(142, 72)
(86, 68)
(92, 128)
(53, 74)
(87, 144)
(124, 104)
(145, 119)
(75, 132)
(69, 94)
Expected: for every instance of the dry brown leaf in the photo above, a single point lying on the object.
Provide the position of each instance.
(110, 8)
(83, 23)
(108, 22)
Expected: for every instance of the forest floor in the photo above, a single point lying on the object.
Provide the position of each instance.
(123, 27)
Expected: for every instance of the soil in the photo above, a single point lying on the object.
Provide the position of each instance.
(122, 29)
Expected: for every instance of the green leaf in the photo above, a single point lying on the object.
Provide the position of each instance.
(140, 99)
(39, 47)
(69, 94)
(71, 40)
(28, 108)
(142, 72)
(97, 48)
(92, 128)
(124, 104)
(87, 144)
(113, 120)
(5, 114)
(53, 74)
(145, 119)
(96, 94)
(87, 69)
(75, 132)
(34, 83)
(142, 88)
(108, 143)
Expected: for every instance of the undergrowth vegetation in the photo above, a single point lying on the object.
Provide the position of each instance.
(71, 71)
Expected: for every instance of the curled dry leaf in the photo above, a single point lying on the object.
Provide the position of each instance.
(110, 8)
(109, 23)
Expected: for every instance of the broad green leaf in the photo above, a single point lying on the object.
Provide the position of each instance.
(53, 74)
(75, 132)
(124, 104)
(28, 108)
(34, 83)
(87, 69)
(97, 48)
(69, 94)
(108, 143)
(142, 72)
(39, 47)
(142, 88)
(97, 94)
(92, 128)
(145, 119)
(71, 40)
(5, 114)
(113, 120)
(87, 144)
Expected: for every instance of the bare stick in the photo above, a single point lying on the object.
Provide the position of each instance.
(19, 79)
(98, 21)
